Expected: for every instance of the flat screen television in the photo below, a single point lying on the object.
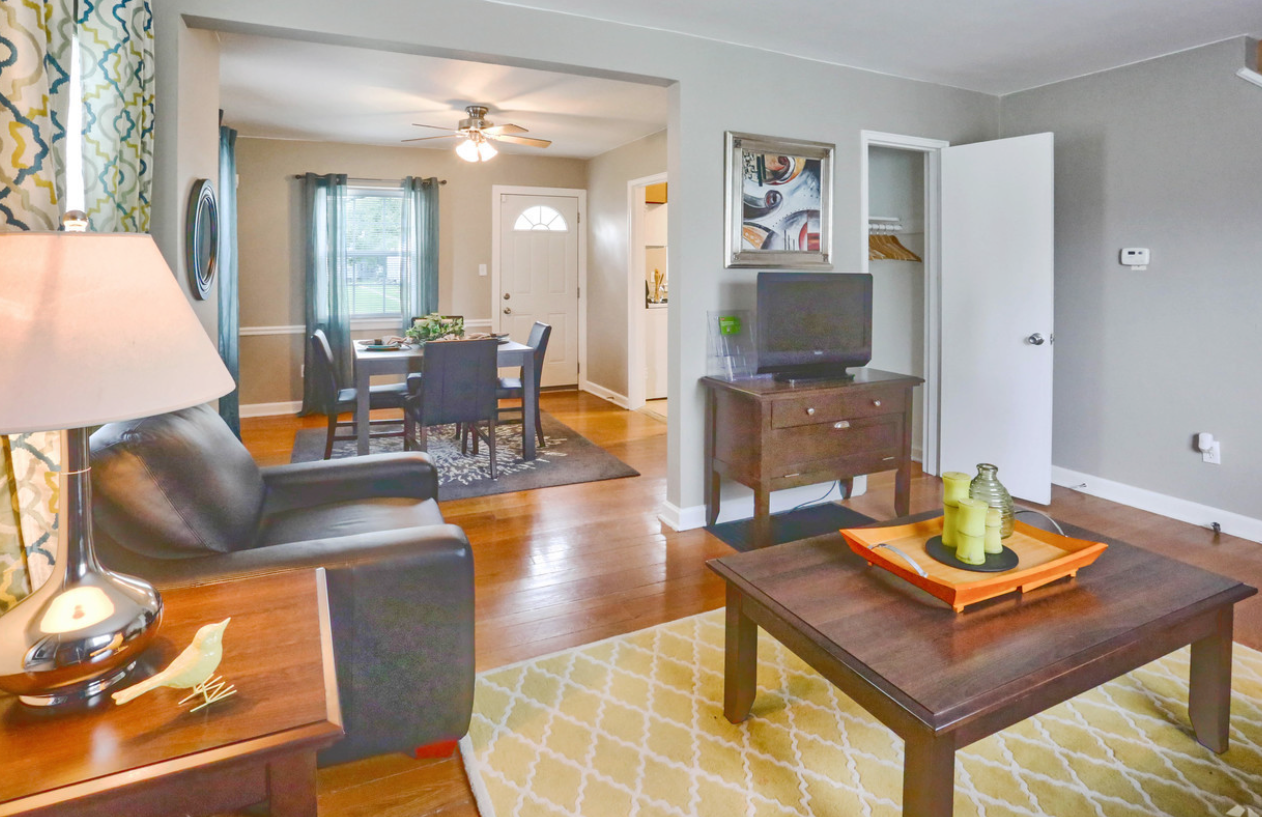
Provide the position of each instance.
(813, 325)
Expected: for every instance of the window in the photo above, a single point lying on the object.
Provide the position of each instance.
(375, 259)
(540, 217)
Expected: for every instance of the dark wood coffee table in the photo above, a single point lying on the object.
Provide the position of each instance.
(151, 757)
(943, 680)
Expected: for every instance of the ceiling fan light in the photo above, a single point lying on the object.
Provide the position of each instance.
(485, 151)
(468, 150)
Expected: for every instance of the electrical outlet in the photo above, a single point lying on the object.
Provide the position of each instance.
(1214, 455)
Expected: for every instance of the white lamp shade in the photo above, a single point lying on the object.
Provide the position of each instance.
(468, 150)
(94, 328)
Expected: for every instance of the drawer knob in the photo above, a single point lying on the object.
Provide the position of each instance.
(842, 424)
(810, 412)
(876, 403)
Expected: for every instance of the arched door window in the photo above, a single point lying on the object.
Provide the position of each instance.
(541, 217)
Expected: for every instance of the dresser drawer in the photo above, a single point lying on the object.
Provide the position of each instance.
(796, 447)
(828, 408)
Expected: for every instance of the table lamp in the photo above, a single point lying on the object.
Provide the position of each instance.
(93, 328)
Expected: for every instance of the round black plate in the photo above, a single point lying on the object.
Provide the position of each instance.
(995, 562)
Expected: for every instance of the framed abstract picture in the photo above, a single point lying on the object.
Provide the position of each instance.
(779, 203)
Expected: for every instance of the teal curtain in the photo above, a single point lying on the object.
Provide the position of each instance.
(420, 247)
(229, 306)
(327, 299)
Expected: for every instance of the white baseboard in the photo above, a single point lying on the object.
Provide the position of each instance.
(742, 507)
(270, 409)
(1183, 510)
(619, 400)
(677, 518)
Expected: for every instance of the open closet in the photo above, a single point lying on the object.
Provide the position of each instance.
(896, 253)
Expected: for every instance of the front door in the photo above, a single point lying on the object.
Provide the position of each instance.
(996, 367)
(539, 277)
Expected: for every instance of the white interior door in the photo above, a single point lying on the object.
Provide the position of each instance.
(996, 301)
(538, 274)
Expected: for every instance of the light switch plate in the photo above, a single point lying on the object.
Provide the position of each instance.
(1134, 257)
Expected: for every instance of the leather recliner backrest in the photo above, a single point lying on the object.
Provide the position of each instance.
(175, 486)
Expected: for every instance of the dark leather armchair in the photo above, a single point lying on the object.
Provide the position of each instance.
(178, 500)
(511, 387)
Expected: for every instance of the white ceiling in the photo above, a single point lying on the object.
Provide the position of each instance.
(284, 89)
(993, 46)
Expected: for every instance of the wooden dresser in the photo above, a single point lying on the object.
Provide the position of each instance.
(769, 436)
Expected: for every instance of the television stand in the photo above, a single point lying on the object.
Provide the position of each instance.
(770, 435)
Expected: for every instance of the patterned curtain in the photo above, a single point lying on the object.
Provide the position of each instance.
(420, 247)
(116, 57)
(229, 308)
(35, 48)
(35, 45)
(328, 302)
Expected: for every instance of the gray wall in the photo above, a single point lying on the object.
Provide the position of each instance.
(607, 219)
(1165, 154)
(716, 87)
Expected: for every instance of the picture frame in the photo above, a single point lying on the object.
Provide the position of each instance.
(778, 204)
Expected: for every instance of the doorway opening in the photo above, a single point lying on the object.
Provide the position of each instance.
(900, 221)
(648, 294)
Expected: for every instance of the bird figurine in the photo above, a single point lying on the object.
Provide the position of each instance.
(192, 669)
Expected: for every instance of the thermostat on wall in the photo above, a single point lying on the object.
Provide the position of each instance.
(1134, 257)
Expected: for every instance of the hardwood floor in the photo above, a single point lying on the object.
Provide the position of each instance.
(563, 566)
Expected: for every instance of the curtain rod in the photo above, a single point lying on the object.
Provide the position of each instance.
(362, 179)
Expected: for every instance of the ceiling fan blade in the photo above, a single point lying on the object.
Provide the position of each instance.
(501, 129)
(520, 140)
(427, 138)
(435, 127)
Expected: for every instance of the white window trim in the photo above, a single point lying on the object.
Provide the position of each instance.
(384, 189)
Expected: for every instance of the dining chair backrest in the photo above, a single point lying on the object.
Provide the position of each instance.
(325, 373)
(539, 334)
(459, 381)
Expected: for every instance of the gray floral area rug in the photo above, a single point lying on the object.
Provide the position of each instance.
(567, 457)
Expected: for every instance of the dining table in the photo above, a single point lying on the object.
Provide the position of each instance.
(407, 358)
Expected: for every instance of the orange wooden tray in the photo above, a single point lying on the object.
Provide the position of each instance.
(1045, 557)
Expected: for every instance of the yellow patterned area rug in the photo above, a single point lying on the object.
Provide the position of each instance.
(634, 726)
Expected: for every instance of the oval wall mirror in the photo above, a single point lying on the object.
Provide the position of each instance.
(201, 237)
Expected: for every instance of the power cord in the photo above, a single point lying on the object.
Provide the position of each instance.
(820, 501)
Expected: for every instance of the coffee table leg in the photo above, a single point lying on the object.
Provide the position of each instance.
(291, 785)
(740, 670)
(928, 777)
(1209, 685)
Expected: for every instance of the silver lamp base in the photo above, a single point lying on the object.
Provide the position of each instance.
(76, 694)
(83, 629)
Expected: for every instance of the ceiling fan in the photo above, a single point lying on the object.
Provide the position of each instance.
(476, 130)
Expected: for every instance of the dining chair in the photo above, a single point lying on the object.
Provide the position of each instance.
(336, 399)
(457, 385)
(512, 387)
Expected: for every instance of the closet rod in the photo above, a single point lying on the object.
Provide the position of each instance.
(362, 179)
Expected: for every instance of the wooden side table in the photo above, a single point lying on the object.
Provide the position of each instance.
(152, 757)
(770, 435)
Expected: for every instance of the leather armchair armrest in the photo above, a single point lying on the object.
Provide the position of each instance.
(306, 484)
(401, 609)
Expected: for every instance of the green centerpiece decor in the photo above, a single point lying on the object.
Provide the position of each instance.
(994, 526)
(954, 488)
(970, 532)
(435, 327)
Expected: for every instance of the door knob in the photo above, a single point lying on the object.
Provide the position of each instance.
(1035, 340)
(509, 311)
(508, 295)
